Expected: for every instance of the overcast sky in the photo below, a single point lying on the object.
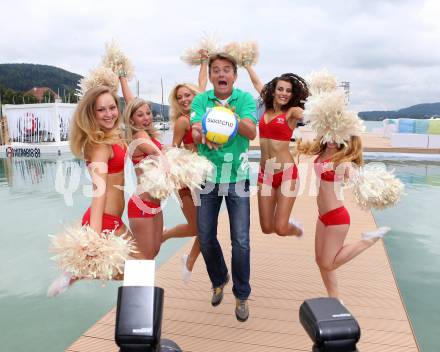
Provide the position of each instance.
(389, 51)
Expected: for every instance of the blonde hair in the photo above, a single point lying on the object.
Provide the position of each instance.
(352, 152)
(175, 109)
(131, 129)
(85, 130)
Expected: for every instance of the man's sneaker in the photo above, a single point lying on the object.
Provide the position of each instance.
(241, 309)
(217, 293)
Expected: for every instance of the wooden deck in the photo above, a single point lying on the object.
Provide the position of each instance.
(283, 274)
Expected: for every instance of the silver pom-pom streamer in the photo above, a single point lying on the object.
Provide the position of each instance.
(86, 254)
(101, 76)
(156, 178)
(194, 56)
(249, 54)
(233, 49)
(175, 169)
(321, 82)
(245, 53)
(116, 60)
(376, 188)
(189, 169)
(329, 118)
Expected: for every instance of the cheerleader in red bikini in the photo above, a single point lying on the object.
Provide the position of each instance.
(180, 99)
(333, 165)
(144, 212)
(95, 137)
(337, 150)
(283, 99)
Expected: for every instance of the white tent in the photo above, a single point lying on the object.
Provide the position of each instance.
(39, 123)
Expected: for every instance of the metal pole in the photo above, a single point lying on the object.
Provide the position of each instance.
(161, 105)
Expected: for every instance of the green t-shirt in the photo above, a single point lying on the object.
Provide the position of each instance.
(231, 160)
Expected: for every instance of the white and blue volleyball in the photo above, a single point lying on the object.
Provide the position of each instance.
(219, 125)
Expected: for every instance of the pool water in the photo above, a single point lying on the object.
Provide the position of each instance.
(31, 208)
(413, 246)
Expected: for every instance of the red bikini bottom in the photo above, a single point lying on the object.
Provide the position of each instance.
(337, 216)
(278, 178)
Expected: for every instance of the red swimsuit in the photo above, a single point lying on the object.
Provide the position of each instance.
(279, 130)
(337, 216)
(140, 208)
(187, 138)
(114, 165)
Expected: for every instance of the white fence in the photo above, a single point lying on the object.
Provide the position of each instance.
(38, 123)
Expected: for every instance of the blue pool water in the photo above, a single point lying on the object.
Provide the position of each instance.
(413, 246)
(31, 208)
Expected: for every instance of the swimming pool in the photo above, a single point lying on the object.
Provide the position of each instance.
(31, 208)
(413, 246)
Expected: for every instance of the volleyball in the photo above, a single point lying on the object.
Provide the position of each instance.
(219, 125)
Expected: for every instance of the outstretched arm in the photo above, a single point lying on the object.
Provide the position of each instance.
(126, 91)
(293, 115)
(258, 85)
(203, 73)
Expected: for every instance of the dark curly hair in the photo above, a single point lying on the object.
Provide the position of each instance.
(300, 92)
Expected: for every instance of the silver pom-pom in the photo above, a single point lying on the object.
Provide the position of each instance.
(173, 170)
(376, 188)
(245, 53)
(326, 112)
(249, 54)
(86, 254)
(189, 169)
(101, 76)
(194, 56)
(321, 82)
(156, 178)
(117, 61)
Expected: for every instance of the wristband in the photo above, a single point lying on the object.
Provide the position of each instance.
(122, 73)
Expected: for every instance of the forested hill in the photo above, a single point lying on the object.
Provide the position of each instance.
(419, 111)
(23, 77)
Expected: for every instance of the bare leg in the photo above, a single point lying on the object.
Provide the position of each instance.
(284, 206)
(328, 242)
(148, 234)
(266, 210)
(349, 251)
(184, 230)
(193, 254)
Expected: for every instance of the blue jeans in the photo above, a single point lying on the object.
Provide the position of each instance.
(238, 205)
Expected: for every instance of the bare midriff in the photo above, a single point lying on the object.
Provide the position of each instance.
(273, 151)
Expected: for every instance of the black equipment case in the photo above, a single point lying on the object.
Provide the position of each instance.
(330, 325)
(139, 318)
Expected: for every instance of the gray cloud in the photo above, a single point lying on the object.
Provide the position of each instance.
(388, 50)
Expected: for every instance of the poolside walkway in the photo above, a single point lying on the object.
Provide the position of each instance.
(372, 142)
(283, 275)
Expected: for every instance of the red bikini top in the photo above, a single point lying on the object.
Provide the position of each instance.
(325, 171)
(188, 138)
(116, 163)
(144, 155)
(277, 128)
